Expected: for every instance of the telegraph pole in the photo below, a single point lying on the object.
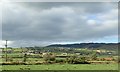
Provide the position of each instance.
(6, 50)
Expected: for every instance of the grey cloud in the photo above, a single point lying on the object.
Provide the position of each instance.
(88, 7)
(0, 21)
(55, 22)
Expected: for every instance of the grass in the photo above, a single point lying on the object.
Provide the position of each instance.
(63, 67)
(54, 66)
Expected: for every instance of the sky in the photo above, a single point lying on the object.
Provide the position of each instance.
(45, 23)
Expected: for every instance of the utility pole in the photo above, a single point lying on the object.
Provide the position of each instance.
(6, 50)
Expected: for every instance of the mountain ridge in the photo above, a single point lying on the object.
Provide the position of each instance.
(87, 45)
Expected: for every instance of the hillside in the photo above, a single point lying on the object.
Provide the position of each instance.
(88, 45)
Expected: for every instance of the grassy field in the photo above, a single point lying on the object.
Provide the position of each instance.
(18, 56)
(63, 67)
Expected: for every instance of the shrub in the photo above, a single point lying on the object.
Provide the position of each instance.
(25, 57)
(76, 60)
(14, 63)
(49, 57)
(59, 61)
(118, 60)
(94, 56)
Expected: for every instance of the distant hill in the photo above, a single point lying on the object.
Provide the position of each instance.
(88, 45)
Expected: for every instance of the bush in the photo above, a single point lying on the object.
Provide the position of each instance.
(14, 63)
(118, 60)
(76, 60)
(49, 57)
(24, 57)
(59, 61)
(94, 56)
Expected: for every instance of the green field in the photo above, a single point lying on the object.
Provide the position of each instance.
(62, 67)
(36, 61)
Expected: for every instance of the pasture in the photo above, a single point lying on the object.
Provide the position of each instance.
(62, 67)
(63, 59)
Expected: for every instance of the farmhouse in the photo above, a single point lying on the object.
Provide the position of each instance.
(98, 51)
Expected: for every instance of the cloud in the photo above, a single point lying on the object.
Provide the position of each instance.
(0, 21)
(3, 43)
(91, 22)
(58, 22)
